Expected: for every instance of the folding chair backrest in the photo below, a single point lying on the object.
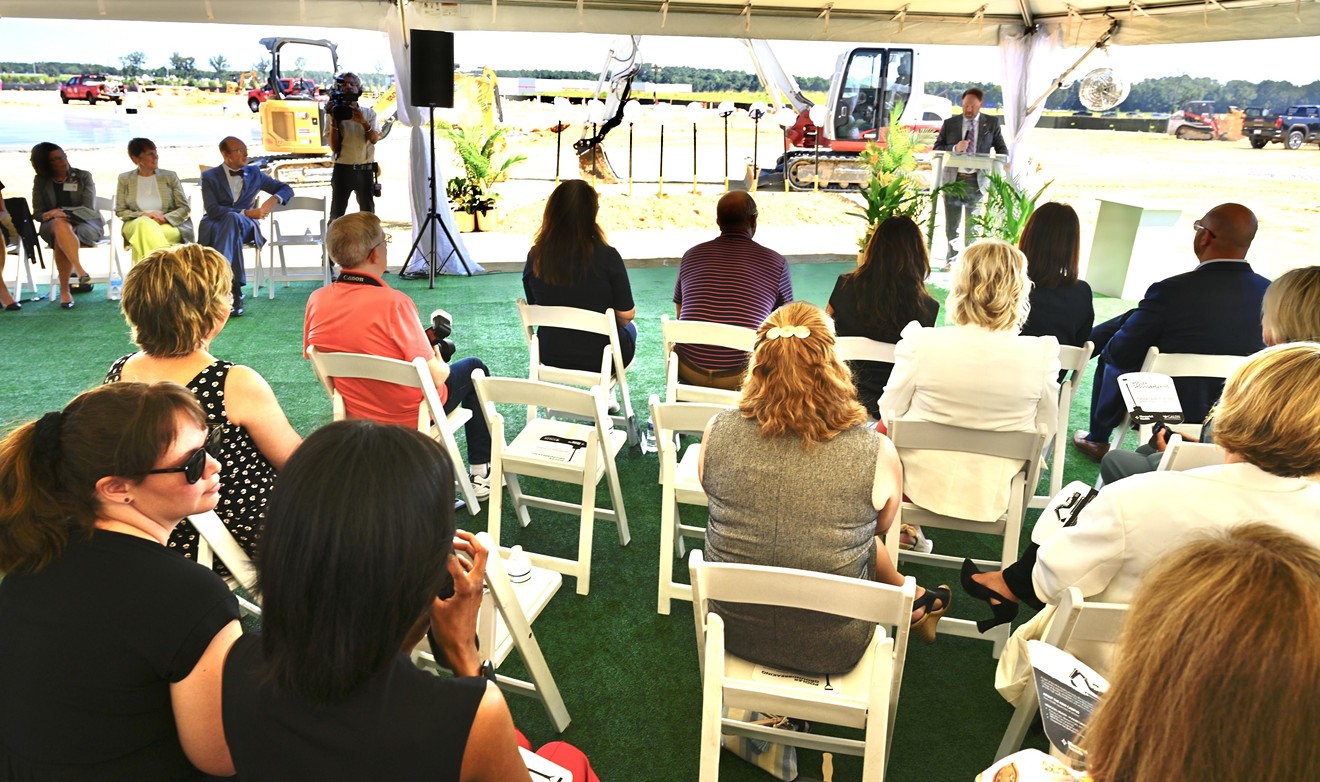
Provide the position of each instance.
(1191, 364)
(413, 374)
(537, 393)
(1077, 620)
(675, 418)
(106, 206)
(1180, 455)
(697, 332)
(863, 349)
(313, 203)
(927, 435)
(222, 543)
(1073, 361)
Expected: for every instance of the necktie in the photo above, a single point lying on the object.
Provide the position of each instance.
(971, 146)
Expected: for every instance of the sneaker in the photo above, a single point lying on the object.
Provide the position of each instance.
(480, 485)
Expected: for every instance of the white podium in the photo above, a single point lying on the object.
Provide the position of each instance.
(991, 162)
(1133, 247)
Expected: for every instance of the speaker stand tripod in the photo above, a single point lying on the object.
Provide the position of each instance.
(431, 221)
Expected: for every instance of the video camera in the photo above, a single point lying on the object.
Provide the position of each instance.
(441, 327)
(344, 97)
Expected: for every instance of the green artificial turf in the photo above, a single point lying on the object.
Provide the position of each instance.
(629, 676)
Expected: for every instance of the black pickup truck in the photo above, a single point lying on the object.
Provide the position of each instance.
(1297, 126)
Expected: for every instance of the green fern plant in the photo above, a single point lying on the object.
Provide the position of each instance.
(1008, 206)
(893, 187)
(478, 151)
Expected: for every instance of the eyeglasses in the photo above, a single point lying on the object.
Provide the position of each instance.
(195, 466)
(1198, 226)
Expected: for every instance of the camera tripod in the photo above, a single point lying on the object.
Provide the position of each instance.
(432, 220)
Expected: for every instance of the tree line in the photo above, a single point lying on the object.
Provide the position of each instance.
(1165, 94)
(177, 69)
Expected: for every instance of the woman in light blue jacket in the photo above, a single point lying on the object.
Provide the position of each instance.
(151, 203)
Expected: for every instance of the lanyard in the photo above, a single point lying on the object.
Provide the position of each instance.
(359, 279)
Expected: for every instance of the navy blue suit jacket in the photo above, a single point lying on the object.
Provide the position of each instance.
(217, 200)
(1213, 309)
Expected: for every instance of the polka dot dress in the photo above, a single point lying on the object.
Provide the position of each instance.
(246, 477)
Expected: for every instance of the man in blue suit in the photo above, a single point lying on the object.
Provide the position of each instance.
(231, 214)
(1213, 309)
(971, 133)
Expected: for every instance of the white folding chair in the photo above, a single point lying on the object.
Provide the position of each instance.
(696, 332)
(299, 223)
(215, 540)
(1179, 365)
(106, 206)
(863, 349)
(1180, 455)
(678, 484)
(865, 697)
(613, 373)
(504, 623)
(432, 420)
(24, 258)
(555, 450)
(1075, 620)
(1024, 447)
(1072, 361)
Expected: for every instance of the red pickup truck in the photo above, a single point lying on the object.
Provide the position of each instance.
(305, 88)
(92, 87)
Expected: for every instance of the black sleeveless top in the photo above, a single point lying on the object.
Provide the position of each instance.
(246, 477)
(402, 723)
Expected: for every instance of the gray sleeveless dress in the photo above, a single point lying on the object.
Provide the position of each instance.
(773, 503)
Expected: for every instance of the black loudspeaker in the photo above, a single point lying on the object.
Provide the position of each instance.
(432, 68)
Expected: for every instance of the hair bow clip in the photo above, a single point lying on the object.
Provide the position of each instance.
(781, 332)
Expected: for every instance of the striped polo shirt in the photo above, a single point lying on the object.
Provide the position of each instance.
(731, 280)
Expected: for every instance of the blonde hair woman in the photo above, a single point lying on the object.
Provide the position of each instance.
(797, 477)
(1191, 698)
(1290, 311)
(176, 301)
(978, 374)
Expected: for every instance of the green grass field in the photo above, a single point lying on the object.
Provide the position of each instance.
(628, 675)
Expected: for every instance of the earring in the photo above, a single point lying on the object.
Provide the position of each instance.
(128, 499)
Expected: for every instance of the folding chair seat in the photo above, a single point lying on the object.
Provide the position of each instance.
(613, 373)
(678, 484)
(696, 332)
(1179, 365)
(555, 450)
(1073, 361)
(432, 420)
(1023, 447)
(299, 223)
(1180, 455)
(1075, 621)
(504, 623)
(865, 697)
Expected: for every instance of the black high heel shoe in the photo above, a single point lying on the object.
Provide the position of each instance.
(1004, 611)
(924, 628)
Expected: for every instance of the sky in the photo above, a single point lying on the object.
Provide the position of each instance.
(1290, 59)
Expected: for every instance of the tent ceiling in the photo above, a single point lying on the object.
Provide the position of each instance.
(968, 22)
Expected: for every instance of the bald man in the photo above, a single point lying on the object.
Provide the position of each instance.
(1213, 309)
(730, 279)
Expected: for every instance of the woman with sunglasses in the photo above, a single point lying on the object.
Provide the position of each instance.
(176, 301)
(111, 647)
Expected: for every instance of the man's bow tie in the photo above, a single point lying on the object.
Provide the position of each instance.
(238, 173)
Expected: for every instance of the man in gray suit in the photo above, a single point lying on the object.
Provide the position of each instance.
(975, 133)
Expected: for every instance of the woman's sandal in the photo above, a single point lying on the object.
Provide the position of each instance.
(1004, 611)
(924, 628)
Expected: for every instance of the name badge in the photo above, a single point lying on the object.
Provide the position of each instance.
(70, 187)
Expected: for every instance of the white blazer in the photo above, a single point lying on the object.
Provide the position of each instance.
(1137, 520)
(975, 378)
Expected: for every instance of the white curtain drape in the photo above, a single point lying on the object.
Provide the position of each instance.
(415, 120)
(1030, 65)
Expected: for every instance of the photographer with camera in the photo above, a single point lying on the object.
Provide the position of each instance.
(359, 313)
(354, 131)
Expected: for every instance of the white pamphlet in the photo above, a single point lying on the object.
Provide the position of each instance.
(1150, 397)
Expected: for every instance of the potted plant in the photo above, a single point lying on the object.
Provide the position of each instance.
(893, 187)
(478, 150)
(456, 190)
(1007, 208)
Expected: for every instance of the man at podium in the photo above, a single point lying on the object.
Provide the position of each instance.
(968, 133)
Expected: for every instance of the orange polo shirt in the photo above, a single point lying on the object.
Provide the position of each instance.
(369, 317)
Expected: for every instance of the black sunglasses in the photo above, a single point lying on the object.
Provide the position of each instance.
(196, 465)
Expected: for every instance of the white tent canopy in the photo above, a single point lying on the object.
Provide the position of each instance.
(1029, 32)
